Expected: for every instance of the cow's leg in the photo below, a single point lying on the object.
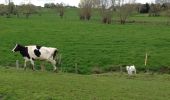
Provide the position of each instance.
(32, 62)
(130, 72)
(135, 71)
(42, 66)
(53, 62)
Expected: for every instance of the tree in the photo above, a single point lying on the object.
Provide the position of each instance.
(144, 8)
(162, 1)
(10, 9)
(49, 5)
(168, 16)
(16, 11)
(166, 8)
(3, 9)
(125, 9)
(85, 9)
(107, 8)
(27, 9)
(60, 9)
(155, 10)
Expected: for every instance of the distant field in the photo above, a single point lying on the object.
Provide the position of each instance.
(29, 85)
(90, 44)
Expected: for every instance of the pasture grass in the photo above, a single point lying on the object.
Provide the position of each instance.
(88, 43)
(29, 85)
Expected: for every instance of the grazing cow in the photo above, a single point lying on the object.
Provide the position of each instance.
(131, 69)
(33, 52)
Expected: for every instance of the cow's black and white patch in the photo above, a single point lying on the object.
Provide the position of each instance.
(24, 51)
(37, 53)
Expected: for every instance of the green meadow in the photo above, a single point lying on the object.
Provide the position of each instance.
(29, 85)
(88, 44)
(91, 45)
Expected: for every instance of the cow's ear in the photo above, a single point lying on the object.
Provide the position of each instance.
(17, 44)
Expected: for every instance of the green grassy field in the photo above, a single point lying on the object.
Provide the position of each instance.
(90, 43)
(29, 85)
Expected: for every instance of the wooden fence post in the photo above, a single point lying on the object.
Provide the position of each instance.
(146, 59)
(17, 64)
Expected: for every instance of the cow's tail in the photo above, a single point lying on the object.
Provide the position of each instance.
(56, 57)
(54, 54)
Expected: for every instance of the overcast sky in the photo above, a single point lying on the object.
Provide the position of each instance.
(67, 2)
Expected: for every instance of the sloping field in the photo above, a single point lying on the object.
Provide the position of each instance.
(88, 43)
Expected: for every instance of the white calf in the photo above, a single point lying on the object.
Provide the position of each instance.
(131, 69)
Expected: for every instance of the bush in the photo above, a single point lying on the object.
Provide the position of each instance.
(96, 70)
(164, 69)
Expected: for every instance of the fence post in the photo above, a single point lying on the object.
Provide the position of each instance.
(17, 64)
(146, 59)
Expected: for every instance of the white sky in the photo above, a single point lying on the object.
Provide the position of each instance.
(67, 2)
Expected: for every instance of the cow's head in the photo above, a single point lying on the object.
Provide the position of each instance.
(16, 48)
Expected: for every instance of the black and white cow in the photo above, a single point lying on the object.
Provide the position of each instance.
(33, 52)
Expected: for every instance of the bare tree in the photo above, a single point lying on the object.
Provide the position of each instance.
(165, 6)
(162, 1)
(3, 9)
(27, 9)
(125, 9)
(10, 8)
(155, 10)
(60, 9)
(168, 16)
(85, 9)
(107, 8)
(166, 9)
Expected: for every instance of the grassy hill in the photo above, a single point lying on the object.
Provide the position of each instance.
(88, 43)
(26, 85)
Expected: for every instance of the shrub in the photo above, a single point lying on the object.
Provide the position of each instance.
(96, 70)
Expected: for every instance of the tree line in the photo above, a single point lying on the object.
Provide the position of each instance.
(122, 8)
(106, 8)
(18, 10)
(153, 9)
